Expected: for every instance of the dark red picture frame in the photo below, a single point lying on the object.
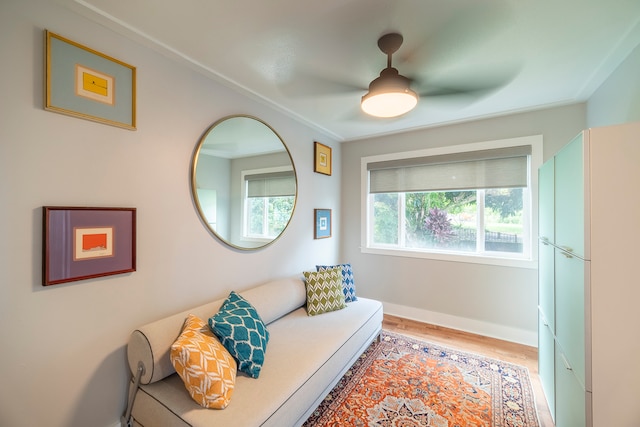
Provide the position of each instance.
(82, 243)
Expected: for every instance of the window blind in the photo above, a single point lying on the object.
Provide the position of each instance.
(494, 168)
(276, 184)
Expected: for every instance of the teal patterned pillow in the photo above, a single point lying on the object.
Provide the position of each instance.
(324, 291)
(241, 331)
(348, 285)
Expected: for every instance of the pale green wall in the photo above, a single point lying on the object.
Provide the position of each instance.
(62, 362)
(213, 173)
(618, 99)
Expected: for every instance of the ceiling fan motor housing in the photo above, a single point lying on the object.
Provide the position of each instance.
(389, 79)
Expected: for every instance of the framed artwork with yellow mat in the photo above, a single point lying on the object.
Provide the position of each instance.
(82, 82)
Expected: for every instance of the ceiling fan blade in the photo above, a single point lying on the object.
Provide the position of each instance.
(468, 90)
(466, 32)
(322, 69)
(462, 84)
(303, 85)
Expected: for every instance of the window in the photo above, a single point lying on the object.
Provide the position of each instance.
(269, 197)
(471, 202)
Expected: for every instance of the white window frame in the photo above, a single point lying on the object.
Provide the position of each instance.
(527, 260)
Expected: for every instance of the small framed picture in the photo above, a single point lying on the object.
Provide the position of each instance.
(84, 83)
(322, 223)
(83, 243)
(322, 159)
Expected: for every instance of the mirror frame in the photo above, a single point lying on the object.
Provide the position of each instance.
(194, 188)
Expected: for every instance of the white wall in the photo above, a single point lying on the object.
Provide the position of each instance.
(618, 99)
(63, 347)
(491, 300)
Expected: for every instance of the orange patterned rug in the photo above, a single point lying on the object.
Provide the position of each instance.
(404, 382)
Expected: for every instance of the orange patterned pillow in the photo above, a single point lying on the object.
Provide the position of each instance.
(205, 366)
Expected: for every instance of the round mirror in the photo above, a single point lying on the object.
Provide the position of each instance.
(243, 182)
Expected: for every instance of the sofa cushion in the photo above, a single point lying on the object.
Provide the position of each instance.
(242, 332)
(324, 291)
(348, 285)
(206, 368)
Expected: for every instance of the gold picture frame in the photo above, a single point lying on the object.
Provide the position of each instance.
(322, 159)
(85, 83)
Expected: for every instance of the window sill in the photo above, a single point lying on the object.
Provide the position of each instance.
(472, 259)
(257, 239)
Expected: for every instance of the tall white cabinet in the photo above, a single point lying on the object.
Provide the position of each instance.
(589, 281)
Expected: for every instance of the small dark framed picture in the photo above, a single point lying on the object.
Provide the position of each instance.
(322, 159)
(322, 223)
(83, 243)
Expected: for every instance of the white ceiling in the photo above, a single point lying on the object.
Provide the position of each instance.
(315, 59)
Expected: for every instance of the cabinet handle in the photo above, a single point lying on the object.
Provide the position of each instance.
(566, 251)
(545, 322)
(565, 362)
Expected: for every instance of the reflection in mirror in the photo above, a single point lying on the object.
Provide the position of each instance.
(243, 182)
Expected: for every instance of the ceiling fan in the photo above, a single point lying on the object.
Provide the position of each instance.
(435, 69)
(389, 95)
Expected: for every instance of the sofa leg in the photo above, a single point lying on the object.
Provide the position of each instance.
(125, 420)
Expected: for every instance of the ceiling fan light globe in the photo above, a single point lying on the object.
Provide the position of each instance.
(389, 104)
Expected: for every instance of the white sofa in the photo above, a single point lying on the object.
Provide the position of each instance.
(305, 358)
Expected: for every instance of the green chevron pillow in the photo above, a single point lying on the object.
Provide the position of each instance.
(324, 291)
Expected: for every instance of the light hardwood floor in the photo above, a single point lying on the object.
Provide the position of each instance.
(490, 347)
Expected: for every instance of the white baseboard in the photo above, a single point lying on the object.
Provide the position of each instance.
(507, 333)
